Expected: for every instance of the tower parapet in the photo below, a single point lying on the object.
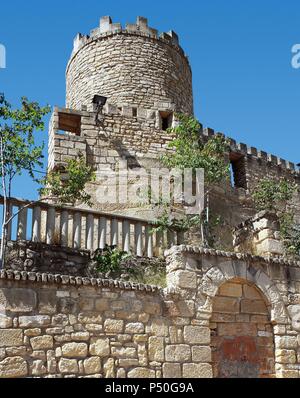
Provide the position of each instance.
(132, 66)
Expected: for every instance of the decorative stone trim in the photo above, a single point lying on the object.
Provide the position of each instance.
(9, 274)
(239, 256)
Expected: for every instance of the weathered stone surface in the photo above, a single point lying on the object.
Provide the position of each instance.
(68, 366)
(100, 347)
(196, 335)
(34, 321)
(38, 368)
(5, 321)
(286, 342)
(41, 342)
(75, 350)
(124, 352)
(92, 365)
(113, 326)
(172, 371)
(134, 328)
(142, 373)
(17, 300)
(253, 307)
(11, 337)
(156, 349)
(109, 368)
(231, 290)
(196, 371)
(285, 356)
(226, 305)
(32, 332)
(13, 367)
(201, 354)
(178, 353)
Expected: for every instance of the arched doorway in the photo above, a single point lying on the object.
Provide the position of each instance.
(242, 335)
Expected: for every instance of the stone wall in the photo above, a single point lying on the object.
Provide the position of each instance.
(67, 326)
(131, 66)
(139, 142)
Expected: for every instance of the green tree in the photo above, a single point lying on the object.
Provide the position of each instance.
(276, 196)
(191, 151)
(19, 152)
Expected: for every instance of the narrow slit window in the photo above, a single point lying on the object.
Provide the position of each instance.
(166, 120)
(238, 171)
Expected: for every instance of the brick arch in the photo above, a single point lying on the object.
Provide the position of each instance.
(242, 339)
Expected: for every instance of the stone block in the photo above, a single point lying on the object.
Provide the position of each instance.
(17, 300)
(201, 354)
(227, 305)
(32, 332)
(92, 365)
(231, 290)
(74, 350)
(113, 326)
(99, 346)
(5, 321)
(196, 371)
(186, 279)
(34, 321)
(285, 356)
(196, 335)
(286, 342)
(159, 327)
(171, 370)
(156, 349)
(41, 342)
(134, 328)
(80, 336)
(250, 292)
(124, 352)
(141, 373)
(66, 366)
(47, 301)
(253, 307)
(38, 368)
(11, 337)
(13, 367)
(178, 353)
(90, 317)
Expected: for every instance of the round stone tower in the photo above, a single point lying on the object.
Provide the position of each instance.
(131, 67)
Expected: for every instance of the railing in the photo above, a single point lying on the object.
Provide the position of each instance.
(85, 229)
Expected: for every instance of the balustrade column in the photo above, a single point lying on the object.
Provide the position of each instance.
(50, 226)
(22, 224)
(36, 224)
(89, 232)
(77, 231)
(64, 227)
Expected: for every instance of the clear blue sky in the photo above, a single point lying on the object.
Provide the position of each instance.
(240, 52)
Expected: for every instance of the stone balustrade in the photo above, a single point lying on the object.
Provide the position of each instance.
(83, 229)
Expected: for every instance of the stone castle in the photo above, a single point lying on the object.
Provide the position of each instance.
(231, 312)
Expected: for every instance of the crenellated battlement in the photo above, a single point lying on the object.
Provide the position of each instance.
(140, 28)
(252, 152)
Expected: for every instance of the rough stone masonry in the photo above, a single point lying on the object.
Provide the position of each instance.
(223, 313)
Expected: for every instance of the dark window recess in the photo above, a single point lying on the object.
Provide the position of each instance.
(134, 112)
(69, 122)
(238, 170)
(166, 120)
